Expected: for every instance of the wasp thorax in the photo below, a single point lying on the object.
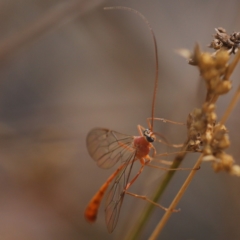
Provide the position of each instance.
(148, 135)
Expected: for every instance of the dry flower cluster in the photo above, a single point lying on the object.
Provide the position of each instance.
(224, 41)
(205, 134)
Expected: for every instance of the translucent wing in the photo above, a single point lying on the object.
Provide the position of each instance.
(116, 194)
(108, 147)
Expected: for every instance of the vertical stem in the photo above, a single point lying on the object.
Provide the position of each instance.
(174, 203)
(143, 219)
(232, 66)
(231, 106)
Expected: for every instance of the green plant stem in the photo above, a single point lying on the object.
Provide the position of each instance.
(143, 219)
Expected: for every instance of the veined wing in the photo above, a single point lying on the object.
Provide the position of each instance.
(108, 147)
(116, 194)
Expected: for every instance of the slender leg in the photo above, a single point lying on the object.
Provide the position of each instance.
(158, 158)
(166, 142)
(139, 172)
(171, 169)
(140, 128)
(163, 120)
(150, 201)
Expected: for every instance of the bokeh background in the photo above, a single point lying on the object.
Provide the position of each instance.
(69, 66)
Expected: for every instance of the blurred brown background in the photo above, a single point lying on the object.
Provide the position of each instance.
(69, 66)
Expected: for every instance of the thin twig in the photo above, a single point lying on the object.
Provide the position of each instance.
(143, 219)
(232, 66)
(174, 203)
(230, 106)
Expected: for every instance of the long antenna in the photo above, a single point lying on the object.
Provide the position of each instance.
(156, 52)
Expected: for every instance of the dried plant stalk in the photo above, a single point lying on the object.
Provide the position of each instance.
(205, 135)
(179, 195)
(162, 186)
(174, 203)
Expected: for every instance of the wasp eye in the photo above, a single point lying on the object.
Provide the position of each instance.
(147, 133)
(150, 139)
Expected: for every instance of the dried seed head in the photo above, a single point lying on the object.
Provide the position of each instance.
(194, 60)
(224, 142)
(222, 58)
(207, 150)
(223, 87)
(212, 117)
(216, 44)
(213, 83)
(213, 68)
(223, 162)
(211, 74)
(220, 133)
(235, 170)
(209, 158)
(220, 30)
(220, 127)
(197, 112)
(208, 107)
(203, 132)
(224, 41)
(193, 134)
(235, 37)
(206, 61)
(221, 144)
(207, 138)
(199, 126)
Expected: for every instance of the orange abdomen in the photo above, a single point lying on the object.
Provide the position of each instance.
(93, 206)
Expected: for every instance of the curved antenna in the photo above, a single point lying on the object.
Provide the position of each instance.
(156, 53)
